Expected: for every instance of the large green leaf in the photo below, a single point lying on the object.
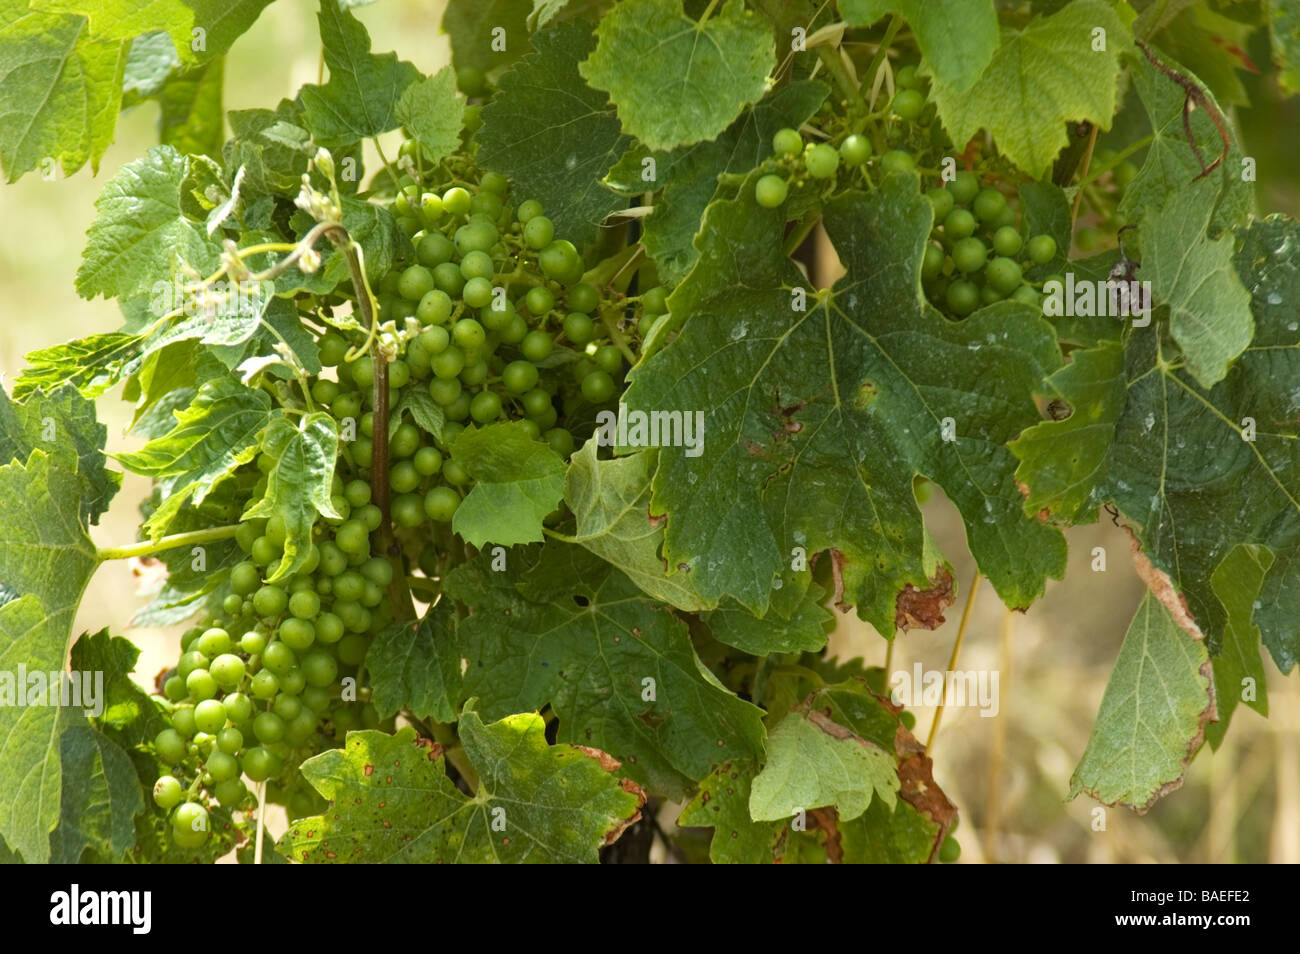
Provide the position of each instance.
(470, 24)
(46, 559)
(1238, 668)
(686, 178)
(433, 112)
(298, 483)
(364, 88)
(139, 237)
(59, 422)
(101, 796)
(1153, 713)
(555, 147)
(812, 762)
(1041, 76)
(707, 70)
(192, 120)
(795, 622)
(610, 500)
(1209, 310)
(59, 91)
(416, 666)
(1284, 28)
(957, 37)
(620, 672)
(213, 436)
(817, 421)
(518, 481)
(392, 800)
(1176, 459)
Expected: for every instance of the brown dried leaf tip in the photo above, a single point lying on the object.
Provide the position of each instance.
(923, 609)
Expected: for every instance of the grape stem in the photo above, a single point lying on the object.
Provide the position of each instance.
(952, 661)
(148, 548)
(261, 821)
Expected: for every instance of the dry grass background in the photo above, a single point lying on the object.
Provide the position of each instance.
(1241, 804)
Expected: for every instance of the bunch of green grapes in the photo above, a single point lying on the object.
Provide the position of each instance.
(493, 321)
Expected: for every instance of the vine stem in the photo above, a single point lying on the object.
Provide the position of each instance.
(1087, 161)
(952, 661)
(148, 548)
(261, 821)
(708, 11)
(999, 744)
(830, 59)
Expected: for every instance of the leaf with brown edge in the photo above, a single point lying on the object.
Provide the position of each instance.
(923, 609)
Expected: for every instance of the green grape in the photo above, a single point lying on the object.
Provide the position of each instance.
(279, 658)
(304, 604)
(1007, 241)
(174, 688)
(1003, 275)
(456, 201)
(352, 649)
(319, 668)
(456, 412)
(349, 585)
(332, 349)
(329, 628)
(433, 249)
(908, 719)
(474, 237)
(969, 254)
(536, 346)
(167, 792)
(190, 817)
(583, 297)
(440, 504)
(259, 764)
(932, 262)
(264, 684)
(963, 297)
(221, 766)
(477, 293)
(301, 727)
(855, 150)
(403, 477)
(371, 518)
(408, 511)
(578, 328)
(378, 570)
(485, 407)
(787, 142)
(519, 377)
(486, 203)
(941, 201)
(468, 333)
(297, 634)
(821, 160)
(477, 264)
(324, 391)
(906, 77)
(896, 160)
(231, 793)
(268, 727)
(239, 708)
(191, 661)
(213, 642)
(988, 205)
(560, 261)
(286, 706)
(1041, 249)
(444, 391)
(170, 746)
(245, 536)
(200, 685)
(964, 187)
(655, 300)
(415, 283)
(228, 670)
(353, 537)
(598, 387)
(909, 104)
(561, 441)
(209, 716)
(450, 363)
(539, 232)
(495, 183)
(230, 740)
(270, 600)
(447, 277)
(264, 552)
(958, 224)
(528, 209)
(770, 191)
(1026, 295)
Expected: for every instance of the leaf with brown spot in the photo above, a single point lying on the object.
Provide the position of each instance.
(923, 609)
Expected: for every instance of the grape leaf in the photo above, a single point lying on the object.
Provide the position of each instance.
(1153, 713)
(129, 716)
(46, 558)
(813, 762)
(610, 501)
(470, 24)
(722, 803)
(619, 671)
(816, 422)
(62, 419)
(213, 436)
(688, 176)
(796, 622)
(416, 666)
(100, 798)
(1175, 462)
(1237, 582)
(91, 364)
(393, 803)
(271, 147)
(879, 836)
(1284, 29)
(518, 482)
(1171, 165)
(424, 410)
(956, 37)
(139, 231)
(298, 483)
(556, 148)
(59, 91)
(1041, 76)
(433, 112)
(192, 120)
(1209, 310)
(360, 99)
(707, 71)
(544, 11)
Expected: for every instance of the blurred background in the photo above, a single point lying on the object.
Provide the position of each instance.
(1008, 775)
